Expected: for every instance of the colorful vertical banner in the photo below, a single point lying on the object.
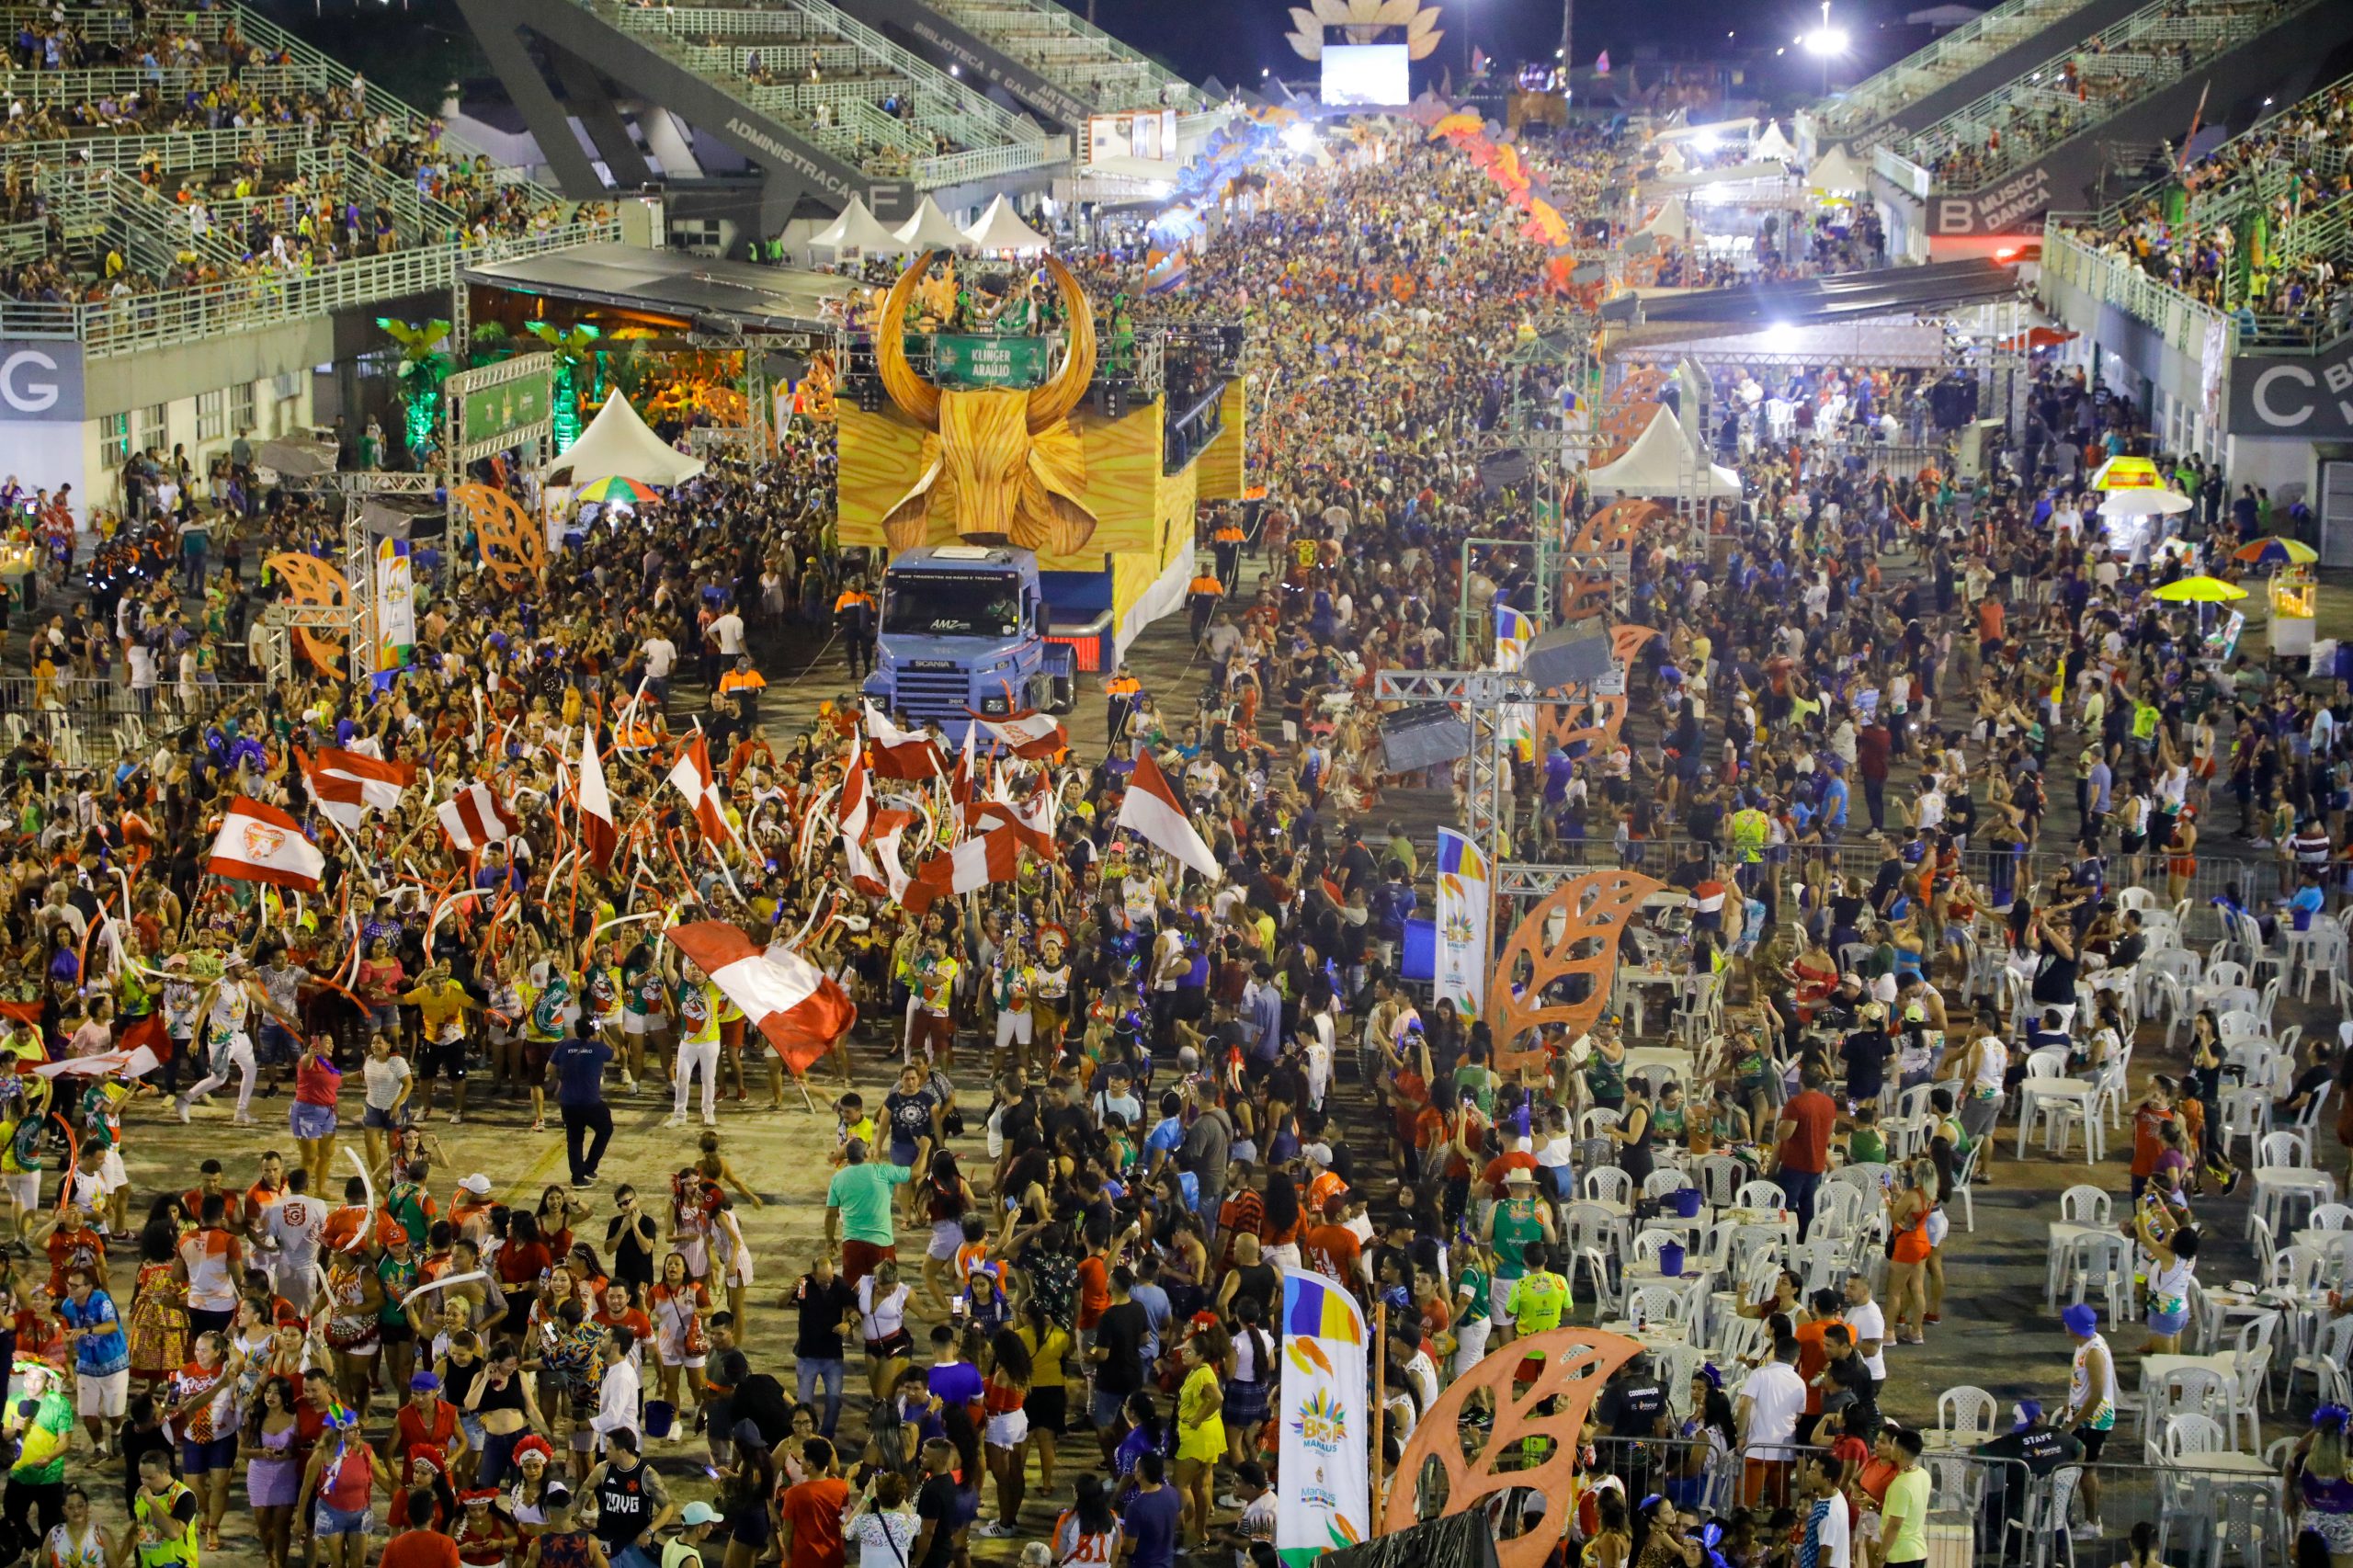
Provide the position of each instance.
(1465, 947)
(396, 605)
(1514, 631)
(1324, 1448)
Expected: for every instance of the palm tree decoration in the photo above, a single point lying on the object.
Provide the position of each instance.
(1363, 21)
(423, 367)
(573, 351)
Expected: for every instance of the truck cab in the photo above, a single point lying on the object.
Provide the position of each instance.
(963, 631)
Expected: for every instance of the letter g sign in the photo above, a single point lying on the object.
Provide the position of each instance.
(22, 384)
(41, 381)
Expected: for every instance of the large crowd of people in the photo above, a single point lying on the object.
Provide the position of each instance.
(1095, 1107)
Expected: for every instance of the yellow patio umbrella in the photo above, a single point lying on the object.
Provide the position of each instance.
(2200, 590)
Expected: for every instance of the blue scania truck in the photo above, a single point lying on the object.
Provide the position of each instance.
(964, 631)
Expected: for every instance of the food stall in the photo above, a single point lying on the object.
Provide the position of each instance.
(2294, 596)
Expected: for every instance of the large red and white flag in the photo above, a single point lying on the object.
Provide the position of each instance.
(857, 806)
(901, 754)
(258, 843)
(347, 785)
(600, 834)
(963, 786)
(475, 816)
(692, 777)
(1030, 823)
(1033, 736)
(796, 1005)
(1152, 811)
(970, 866)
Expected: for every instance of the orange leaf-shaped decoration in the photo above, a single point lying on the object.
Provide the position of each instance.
(1641, 383)
(1578, 1363)
(311, 581)
(1592, 719)
(1596, 907)
(1593, 594)
(1456, 124)
(514, 547)
(1615, 527)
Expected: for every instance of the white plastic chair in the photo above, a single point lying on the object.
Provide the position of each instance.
(1720, 1178)
(1597, 1273)
(1660, 1184)
(1607, 1184)
(1653, 1304)
(2192, 1434)
(2085, 1204)
(1760, 1195)
(2246, 1113)
(1965, 1408)
(1650, 1243)
(2135, 898)
(2331, 1216)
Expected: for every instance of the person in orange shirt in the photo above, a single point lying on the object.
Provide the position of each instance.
(2148, 1143)
(1820, 1315)
(472, 1200)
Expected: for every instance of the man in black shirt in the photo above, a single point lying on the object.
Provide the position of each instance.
(1866, 1053)
(938, 1507)
(2033, 1442)
(1634, 1404)
(824, 1302)
(1117, 1354)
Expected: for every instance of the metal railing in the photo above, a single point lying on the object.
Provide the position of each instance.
(2185, 323)
(171, 152)
(2033, 112)
(93, 82)
(88, 722)
(998, 20)
(1945, 60)
(242, 304)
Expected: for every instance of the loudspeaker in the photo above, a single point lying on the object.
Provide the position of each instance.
(1423, 736)
(869, 394)
(1231, 338)
(1566, 656)
(1111, 399)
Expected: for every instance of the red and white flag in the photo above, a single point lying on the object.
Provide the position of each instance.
(901, 754)
(475, 816)
(601, 834)
(963, 787)
(796, 1005)
(145, 1046)
(970, 866)
(347, 785)
(1032, 823)
(882, 875)
(1152, 811)
(692, 777)
(857, 797)
(1032, 736)
(259, 843)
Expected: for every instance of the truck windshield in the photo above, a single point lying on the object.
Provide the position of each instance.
(935, 604)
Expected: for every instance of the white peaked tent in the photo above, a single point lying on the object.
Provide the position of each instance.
(617, 442)
(1672, 221)
(1001, 229)
(1661, 465)
(1772, 144)
(1670, 159)
(930, 229)
(1836, 171)
(857, 229)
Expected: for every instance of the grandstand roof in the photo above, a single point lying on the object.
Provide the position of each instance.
(742, 294)
(1900, 290)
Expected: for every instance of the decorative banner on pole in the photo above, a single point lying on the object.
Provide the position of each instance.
(1465, 945)
(396, 605)
(1323, 1450)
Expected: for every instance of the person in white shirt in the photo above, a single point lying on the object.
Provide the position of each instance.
(1869, 1324)
(1767, 1413)
(1822, 1514)
(727, 631)
(617, 1396)
(661, 658)
(291, 1226)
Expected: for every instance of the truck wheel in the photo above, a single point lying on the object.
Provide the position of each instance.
(1065, 693)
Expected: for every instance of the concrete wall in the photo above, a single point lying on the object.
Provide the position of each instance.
(179, 425)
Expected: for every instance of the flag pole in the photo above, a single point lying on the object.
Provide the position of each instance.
(1379, 1416)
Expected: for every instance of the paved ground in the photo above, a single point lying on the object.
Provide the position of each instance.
(1995, 1333)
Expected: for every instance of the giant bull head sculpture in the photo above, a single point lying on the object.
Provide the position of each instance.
(999, 464)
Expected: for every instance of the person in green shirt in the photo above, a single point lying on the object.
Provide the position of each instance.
(1904, 1513)
(857, 1207)
(1519, 1220)
(1477, 1080)
(41, 1420)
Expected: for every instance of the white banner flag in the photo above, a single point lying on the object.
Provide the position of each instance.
(1465, 948)
(1325, 1500)
(396, 605)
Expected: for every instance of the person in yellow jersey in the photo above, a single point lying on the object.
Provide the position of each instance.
(163, 1518)
(441, 1004)
(1539, 1298)
(700, 1004)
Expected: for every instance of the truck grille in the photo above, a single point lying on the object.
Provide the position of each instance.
(926, 694)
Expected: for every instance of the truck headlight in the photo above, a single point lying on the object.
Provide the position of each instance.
(996, 707)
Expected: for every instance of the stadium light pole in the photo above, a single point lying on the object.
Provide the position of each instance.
(1568, 49)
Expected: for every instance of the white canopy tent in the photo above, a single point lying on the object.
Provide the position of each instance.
(859, 230)
(930, 229)
(1001, 229)
(1672, 221)
(1661, 465)
(1772, 144)
(2142, 503)
(1836, 171)
(617, 442)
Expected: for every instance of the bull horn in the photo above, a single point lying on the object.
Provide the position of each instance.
(1053, 402)
(917, 397)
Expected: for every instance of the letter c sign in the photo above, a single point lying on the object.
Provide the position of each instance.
(2281, 418)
